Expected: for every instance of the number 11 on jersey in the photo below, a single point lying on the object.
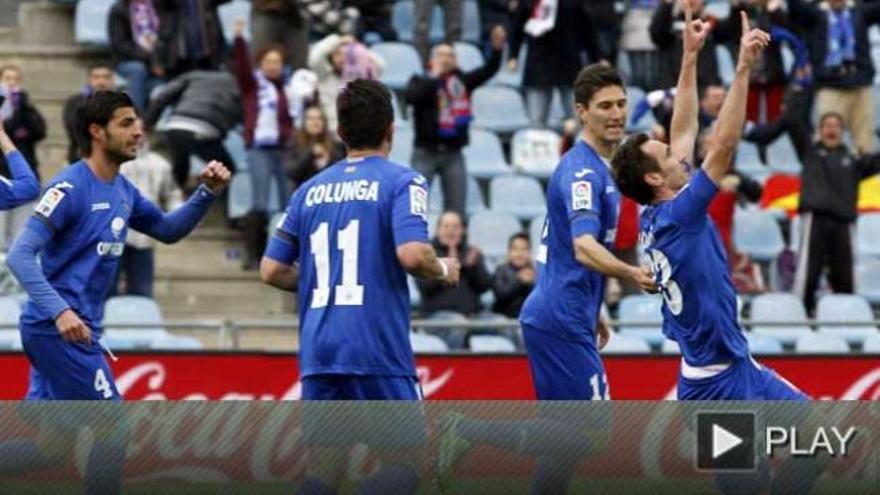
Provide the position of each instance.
(349, 293)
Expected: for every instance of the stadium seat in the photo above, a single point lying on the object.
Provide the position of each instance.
(499, 109)
(415, 297)
(491, 343)
(423, 342)
(402, 62)
(868, 233)
(626, 344)
(234, 144)
(402, 146)
(668, 346)
(757, 233)
(489, 231)
(240, 196)
(90, 22)
(535, 152)
(484, 155)
(725, 64)
(641, 308)
(454, 333)
(10, 310)
(229, 12)
(470, 25)
(763, 344)
(520, 196)
(120, 311)
(846, 308)
(177, 343)
(794, 233)
(868, 279)
(821, 344)
(468, 56)
(474, 202)
(633, 96)
(505, 77)
(536, 230)
(401, 119)
(403, 19)
(779, 307)
(871, 345)
(121, 343)
(782, 157)
(748, 161)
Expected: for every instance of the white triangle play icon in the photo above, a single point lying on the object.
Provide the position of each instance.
(723, 441)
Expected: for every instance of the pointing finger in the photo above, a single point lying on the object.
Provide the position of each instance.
(746, 27)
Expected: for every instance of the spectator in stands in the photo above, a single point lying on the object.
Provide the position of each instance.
(314, 147)
(268, 129)
(644, 62)
(556, 40)
(337, 60)
(606, 24)
(665, 29)
(190, 36)
(279, 22)
(150, 172)
(100, 78)
(841, 55)
(829, 195)
(133, 27)
(24, 124)
(375, 18)
(494, 13)
(442, 116)
(453, 11)
(206, 106)
(515, 278)
(464, 298)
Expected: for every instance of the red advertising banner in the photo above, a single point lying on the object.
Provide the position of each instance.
(272, 376)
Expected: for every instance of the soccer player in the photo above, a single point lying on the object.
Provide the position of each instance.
(560, 318)
(349, 237)
(22, 186)
(686, 252)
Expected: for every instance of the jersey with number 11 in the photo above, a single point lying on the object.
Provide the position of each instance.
(345, 225)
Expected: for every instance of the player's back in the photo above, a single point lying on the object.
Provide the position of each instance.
(353, 296)
(581, 198)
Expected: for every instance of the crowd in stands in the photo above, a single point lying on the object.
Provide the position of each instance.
(467, 89)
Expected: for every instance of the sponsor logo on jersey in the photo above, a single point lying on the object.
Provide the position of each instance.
(100, 206)
(117, 226)
(418, 201)
(51, 199)
(583, 173)
(581, 195)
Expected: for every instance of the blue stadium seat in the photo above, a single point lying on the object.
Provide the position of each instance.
(779, 307)
(668, 347)
(757, 233)
(241, 199)
(490, 230)
(402, 146)
(749, 162)
(403, 19)
(725, 64)
(868, 279)
(484, 155)
(491, 343)
(499, 108)
(794, 233)
(90, 22)
(229, 12)
(234, 144)
(868, 233)
(120, 311)
(474, 202)
(177, 343)
(402, 62)
(626, 344)
(821, 344)
(871, 345)
(782, 157)
(470, 25)
(535, 152)
(10, 310)
(122, 343)
(641, 308)
(505, 77)
(846, 308)
(536, 229)
(415, 297)
(469, 56)
(763, 345)
(423, 342)
(518, 195)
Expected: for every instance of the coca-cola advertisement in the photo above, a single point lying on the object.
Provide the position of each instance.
(274, 376)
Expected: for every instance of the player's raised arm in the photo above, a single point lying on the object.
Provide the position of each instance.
(23, 186)
(733, 113)
(685, 116)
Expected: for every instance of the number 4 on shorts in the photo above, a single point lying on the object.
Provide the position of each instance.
(102, 385)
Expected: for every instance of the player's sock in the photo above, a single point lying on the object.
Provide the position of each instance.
(744, 483)
(21, 455)
(553, 475)
(392, 478)
(105, 466)
(796, 476)
(314, 486)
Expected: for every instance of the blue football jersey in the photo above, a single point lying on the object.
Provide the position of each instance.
(581, 199)
(690, 268)
(89, 220)
(344, 226)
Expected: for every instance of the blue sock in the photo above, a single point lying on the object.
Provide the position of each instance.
(744, 483)
(105, 467)
(553, 475)
(393, 478)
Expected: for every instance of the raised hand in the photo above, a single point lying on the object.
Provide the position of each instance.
(751, 45)
(216, 176)
(695, 30)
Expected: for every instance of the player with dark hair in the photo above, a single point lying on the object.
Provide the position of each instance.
(349, 236)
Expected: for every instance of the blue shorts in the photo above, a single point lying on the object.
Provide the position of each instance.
(564, 369)
(360, 387)
(745, 379)
(67, 371)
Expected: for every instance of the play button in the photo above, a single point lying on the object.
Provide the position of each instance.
(725, 441)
